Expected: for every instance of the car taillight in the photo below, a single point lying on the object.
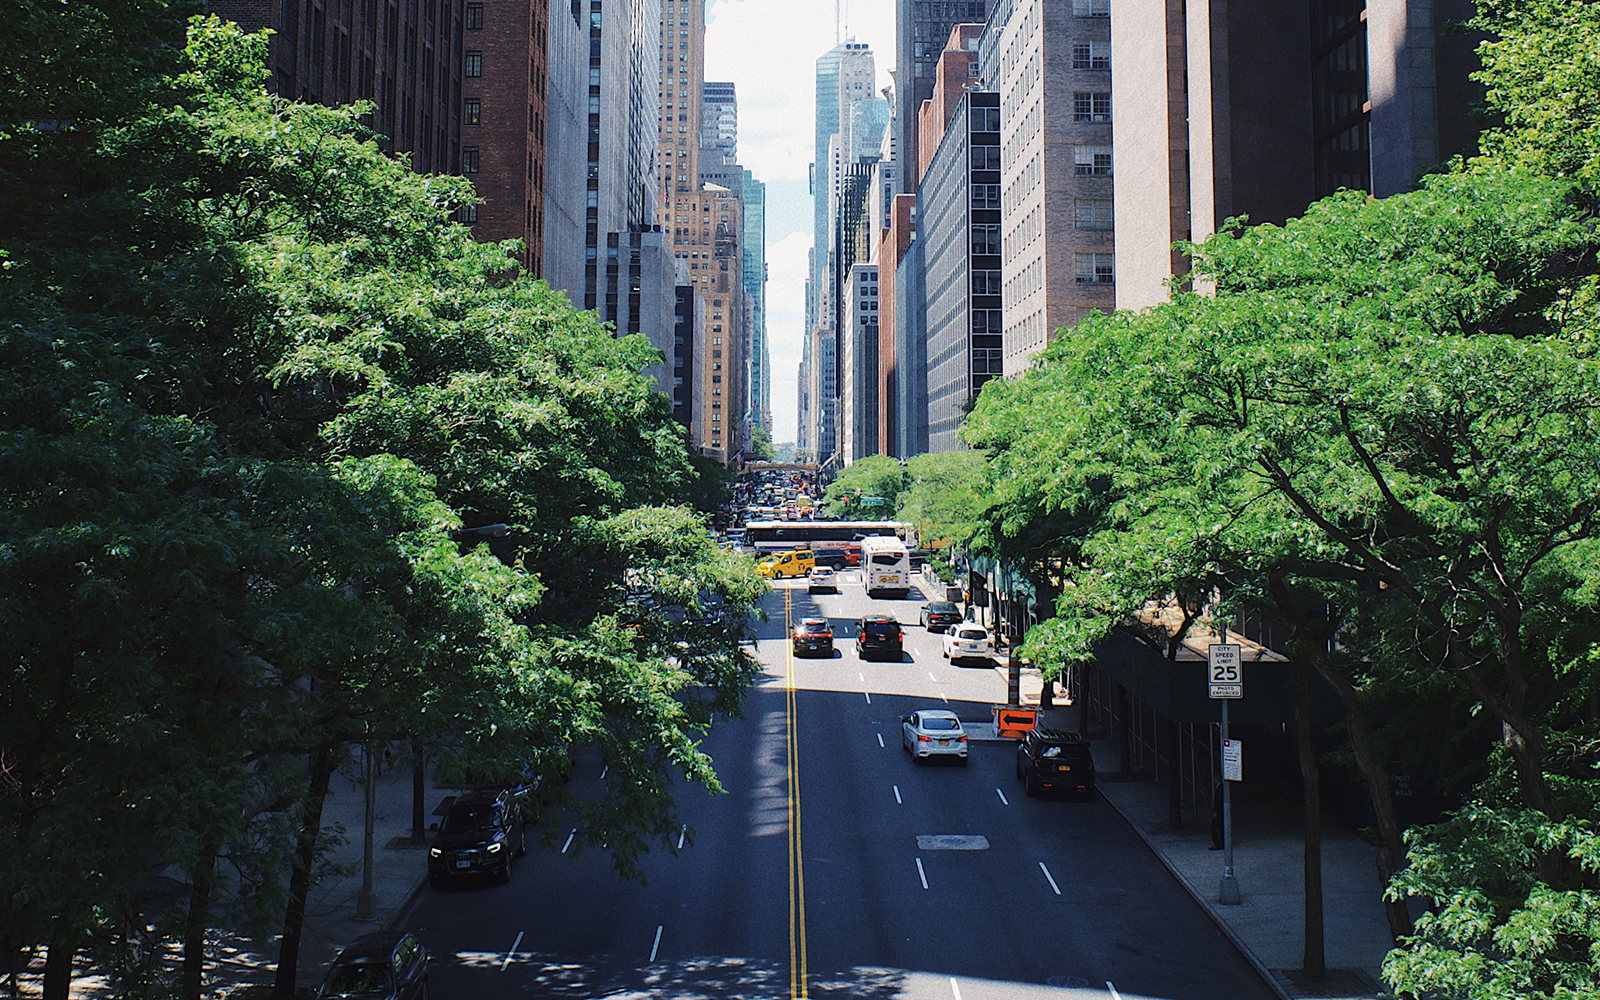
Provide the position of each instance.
(961, 739)
(901, 638)
(924, 739)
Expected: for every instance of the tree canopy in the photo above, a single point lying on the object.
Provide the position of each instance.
(289, 462)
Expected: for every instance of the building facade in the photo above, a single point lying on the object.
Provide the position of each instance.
(408, 57)
(921, 28)
(1357, 94)
(1051, 63)
(859, 362)
(960, 226)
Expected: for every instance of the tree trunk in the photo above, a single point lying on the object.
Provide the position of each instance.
(1392, 854)
(294, 917)
(419, 792)
(58, 963)
(1314, 961)
(197, 922)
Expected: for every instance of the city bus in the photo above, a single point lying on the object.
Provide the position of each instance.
(826, 538)
(885, 565)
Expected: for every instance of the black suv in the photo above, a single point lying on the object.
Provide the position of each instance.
(879, 635)
(1055, 760)
(480, 833)
(381, 966)
(940, 615)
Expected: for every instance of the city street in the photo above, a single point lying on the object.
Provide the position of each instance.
(815, 874)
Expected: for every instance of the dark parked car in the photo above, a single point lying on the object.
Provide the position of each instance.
(383, 966)
(1055, 760)
(479, 835)
(879, 636)
(940, 615)
(813, 635)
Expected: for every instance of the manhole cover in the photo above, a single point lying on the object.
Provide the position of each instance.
(950, 842)
(1071, 982)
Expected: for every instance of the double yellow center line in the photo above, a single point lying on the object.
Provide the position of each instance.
(798, 986)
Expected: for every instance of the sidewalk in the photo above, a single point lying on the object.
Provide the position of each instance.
(399, 870)
(239, 967)
(1268, 924)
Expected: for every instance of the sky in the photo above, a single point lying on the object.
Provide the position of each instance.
(769, 49)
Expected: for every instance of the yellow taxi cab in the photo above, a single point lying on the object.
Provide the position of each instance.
(787, 564)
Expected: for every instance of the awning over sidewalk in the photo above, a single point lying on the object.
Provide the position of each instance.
(1177, 689)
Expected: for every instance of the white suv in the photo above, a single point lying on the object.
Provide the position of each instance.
(966, 641)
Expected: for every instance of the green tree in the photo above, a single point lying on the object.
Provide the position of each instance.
(1540, 71)
(255, 386)
(876, 476)
(945, 499)
(1384, 411)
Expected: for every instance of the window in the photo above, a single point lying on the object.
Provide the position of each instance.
(1091, 161)
(1091, 107)
(1094, 213)
(985, 157)
(1090, 55)
(469, 159)
(1096, 268)
(474, 16)
(1091, 8)
(986, 239)
(471, 111)
(988, 361)
(985, 195)
(467, 214)
(972, 68)
(986, 282)
(474, 64)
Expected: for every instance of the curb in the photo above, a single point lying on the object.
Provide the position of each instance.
(406, 907)
(1216, 918)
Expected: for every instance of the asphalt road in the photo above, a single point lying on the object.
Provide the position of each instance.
(807, 878)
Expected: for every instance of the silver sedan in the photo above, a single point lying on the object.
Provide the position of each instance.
(933, 732)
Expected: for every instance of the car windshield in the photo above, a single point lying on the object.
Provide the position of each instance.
(1050, 751)
(940, 725)
(881, 628)
(886, 559)
(813, 625)
(365, 979)
(469, 819)
(972, 633)
(941, 606)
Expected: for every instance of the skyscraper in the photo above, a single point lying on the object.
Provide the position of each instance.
(719, 122)
(921, 27)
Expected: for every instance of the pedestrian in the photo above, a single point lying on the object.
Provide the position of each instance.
(1216, 817)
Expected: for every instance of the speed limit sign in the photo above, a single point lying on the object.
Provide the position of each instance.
(1225, 670)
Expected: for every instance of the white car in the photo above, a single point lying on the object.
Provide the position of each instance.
(933, 732)
(966, 641)
(821, 579)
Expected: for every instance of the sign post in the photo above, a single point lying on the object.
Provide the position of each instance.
(1226, 675)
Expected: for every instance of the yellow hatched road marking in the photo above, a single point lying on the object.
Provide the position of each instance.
(799, 988)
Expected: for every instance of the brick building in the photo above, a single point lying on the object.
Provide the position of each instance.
(506, 57)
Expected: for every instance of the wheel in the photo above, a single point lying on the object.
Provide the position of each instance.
(1020, 772)
(522, 842)
(435, 882)
(964, 760)
(423, 995)
(1032, 786)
